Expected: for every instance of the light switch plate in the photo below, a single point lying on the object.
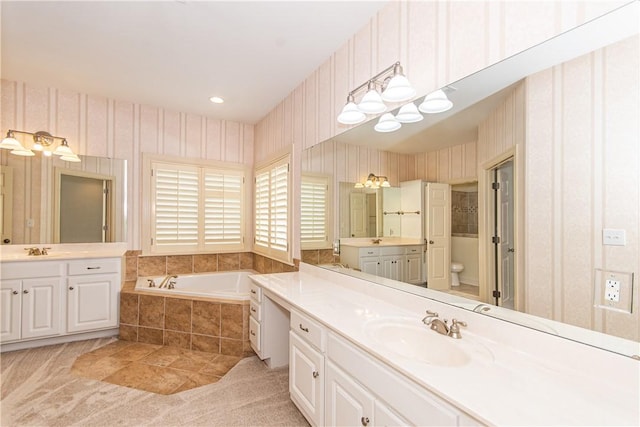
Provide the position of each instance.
(614, 237)
(613, 290)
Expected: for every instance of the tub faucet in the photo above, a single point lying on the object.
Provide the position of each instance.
(165, 280)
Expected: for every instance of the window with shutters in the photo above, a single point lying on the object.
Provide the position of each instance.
(273, 210)
(315, 196)
(195, 208)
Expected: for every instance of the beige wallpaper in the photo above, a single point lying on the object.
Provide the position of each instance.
(100, 126)
(583, 175)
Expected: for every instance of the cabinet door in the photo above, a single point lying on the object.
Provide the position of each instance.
(370, 265)
(41, 307)
(384, 416)
(254, 335)
(92, 302)
(347, 403)
(10, 291)
(306, 379)
(413, 269)
(392, 267)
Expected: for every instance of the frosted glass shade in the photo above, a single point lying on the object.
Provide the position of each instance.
(436, 102)
(23, 152)
(387, 123)
(372, 103)
(63, 150)
(409, 114)
(398, 90)
(10, 143)
(70, 158)
(351, 115)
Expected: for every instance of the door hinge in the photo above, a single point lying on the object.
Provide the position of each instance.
(105, 191)
(105, 227)
(495, 185)
(495, 239)
(496, 294)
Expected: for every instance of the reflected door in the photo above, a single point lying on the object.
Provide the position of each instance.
(359, 217)
(505, 211)
(438, 235)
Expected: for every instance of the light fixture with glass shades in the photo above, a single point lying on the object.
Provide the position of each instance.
(390, 85)
(43, 142)
(436, 102)
(374, 181)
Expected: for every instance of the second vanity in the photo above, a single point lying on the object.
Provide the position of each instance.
(360, 354)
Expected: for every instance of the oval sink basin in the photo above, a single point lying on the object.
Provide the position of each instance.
(411, 339)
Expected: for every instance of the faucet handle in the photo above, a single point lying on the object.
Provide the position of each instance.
(454, 330)
(45, 251)
(429, 317)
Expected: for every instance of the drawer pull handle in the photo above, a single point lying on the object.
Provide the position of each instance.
(364, 421)
(303, 328)
(15, 292)
(26, 291)
(70, 288)
(253, 292)
(93, 268)
(253, 333)
(253, 310)
(315, 374)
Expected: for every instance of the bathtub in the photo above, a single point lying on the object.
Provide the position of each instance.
(228, 285)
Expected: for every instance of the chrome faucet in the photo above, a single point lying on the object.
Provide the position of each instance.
(165, 280)
(439, 326)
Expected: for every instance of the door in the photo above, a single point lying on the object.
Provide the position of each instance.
(438, 235)
(306, 379)
(91, 302)
(10, 304)
(347, 403)
(392, 267)
(359, 217)
(6, 204)
(413, 270)
(40, 307)
(370, 265)
(505, 233)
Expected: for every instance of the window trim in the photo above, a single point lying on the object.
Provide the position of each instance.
(147, 209)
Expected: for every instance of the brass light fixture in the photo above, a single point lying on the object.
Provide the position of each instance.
(42, 142)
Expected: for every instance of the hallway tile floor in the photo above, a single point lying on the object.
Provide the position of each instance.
(154, 368)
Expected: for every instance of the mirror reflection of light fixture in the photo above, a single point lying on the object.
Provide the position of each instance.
(436, 102)
(409, 114)
(387, 123)
(373, 181)
(394, 87)
(42, 142)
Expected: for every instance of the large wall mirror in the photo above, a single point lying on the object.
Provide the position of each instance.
(47, 200)
(558, 128)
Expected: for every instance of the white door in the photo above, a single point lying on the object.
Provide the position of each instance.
(347, 403)
(10, 304)
(92, 302)
(306, 379)
(6, 204)
(438, 235)
(505, 214)
(359, 217)
(41, 307)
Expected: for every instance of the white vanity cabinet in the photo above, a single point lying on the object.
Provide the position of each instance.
(92, 294)
(306, 367)
(268, 328)
(403, 263)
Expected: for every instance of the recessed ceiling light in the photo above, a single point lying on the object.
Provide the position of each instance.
(216, 100)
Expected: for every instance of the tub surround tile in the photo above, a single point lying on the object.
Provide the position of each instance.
(206, 318)
(231, 321)
(178, 314)
(277, 267)
(205, 263)
(205, 343)
(129, 308)
(128, 333)
(151, 311)
(152, 266)
(245, 321)
(246, 261)
(326, 256)
(177, 339)
(131, 268)
(310, 256)
(180, 264)
(228, 262)
(150, 335)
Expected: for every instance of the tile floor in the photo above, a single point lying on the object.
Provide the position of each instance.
(154, 368)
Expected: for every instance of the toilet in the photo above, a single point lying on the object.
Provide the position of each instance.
(456, 268)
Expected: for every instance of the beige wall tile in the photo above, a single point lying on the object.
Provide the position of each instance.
(178, 314)
(131, 268)
(150, 335)
(205, 343)
(228, 262)
(231, 321)
(231, 347)
(205, 263)
(129, 308)
(151, 311)
(152, 266)
(206, 318)
(128, 333)
(246, 260)
(177, 339)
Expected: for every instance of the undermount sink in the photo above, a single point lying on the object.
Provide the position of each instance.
(410, 338)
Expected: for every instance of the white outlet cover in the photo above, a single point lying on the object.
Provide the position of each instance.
(613, 290)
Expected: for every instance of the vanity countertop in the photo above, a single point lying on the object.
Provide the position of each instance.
(516, 375)
(383, 241)
(57, 252)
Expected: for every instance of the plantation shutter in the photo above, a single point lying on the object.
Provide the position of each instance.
(176, 205)
(262, 186)
(313, 211)
(279, 207)
(223, 194)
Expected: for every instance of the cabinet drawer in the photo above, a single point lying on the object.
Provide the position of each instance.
(392, 250)
(254, 335)
(256, 292)
(310, 330)
(254, 310)
(30, 269)
(369, 251)
(417, 405)
(97, 266)
(413, 250)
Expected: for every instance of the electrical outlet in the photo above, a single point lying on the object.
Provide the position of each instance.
(30, 222)
(612, 290)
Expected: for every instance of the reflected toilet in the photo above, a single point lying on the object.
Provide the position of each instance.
(456, 267)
